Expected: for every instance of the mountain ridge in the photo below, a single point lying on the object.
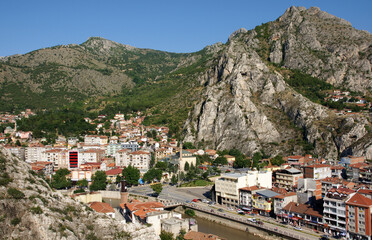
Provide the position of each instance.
(249, 77)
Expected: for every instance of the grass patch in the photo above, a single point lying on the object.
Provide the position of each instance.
(15, 193)
(197, 183)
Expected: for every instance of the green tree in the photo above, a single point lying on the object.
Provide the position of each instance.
(131, 175)
(161, 165)
(98, 181)
(187, 166)
(153, 174)
(188, 145)
(157, 188)
(174, 179)
(277, 160)
(205, 175)
(190, 212)
(118, 179)
(181, 235)
(152, 161)
(82, 183)
(60, 179)
(220, 161)
(166, 235)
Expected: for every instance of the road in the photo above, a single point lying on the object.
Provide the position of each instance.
(174, 193)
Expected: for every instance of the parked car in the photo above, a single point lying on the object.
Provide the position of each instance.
(195, 200)
(297, 228)
(252, 220)
(220, 210)
(240, 212)
(205, 201)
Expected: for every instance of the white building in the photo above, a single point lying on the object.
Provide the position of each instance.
(122, 158)
(261, 179)
(57, 156)
(280, 201)
(112, 148)
(317, 171)
(33, 153)
(138, 159)
(91, 156)
(186, 157)
(227, 188)
(334, 213)
(95, 140)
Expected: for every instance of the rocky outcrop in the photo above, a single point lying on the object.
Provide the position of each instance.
(322, 45)
(246, 103)
(30, 209)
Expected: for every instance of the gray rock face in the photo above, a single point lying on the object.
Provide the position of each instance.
(45, 214)
(324, 46)
(248, 106)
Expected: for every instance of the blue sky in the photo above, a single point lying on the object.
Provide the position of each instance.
(169, 25)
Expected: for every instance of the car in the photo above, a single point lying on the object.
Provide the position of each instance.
(205, 201)
(220, 210)
(241, 213)
(252, 220)
(195, 200)
(188, 201)
(324, 237)
(297, 228)
(211, 203)
(284, 223)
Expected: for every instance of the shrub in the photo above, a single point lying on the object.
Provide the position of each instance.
(15, 193)
(15, 221)
(5, 179)
(36, 210)
(190, 212)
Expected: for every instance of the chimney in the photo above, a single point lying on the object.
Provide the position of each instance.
(123, 191)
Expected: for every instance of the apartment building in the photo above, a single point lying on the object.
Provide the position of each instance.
(227, 188)
(317, 171)
(95, 140)
(55, 156)
(33, 152)
(358, 213)
(287, 178)
(334, 213)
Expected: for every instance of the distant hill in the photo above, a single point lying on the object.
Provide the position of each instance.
(261, 90)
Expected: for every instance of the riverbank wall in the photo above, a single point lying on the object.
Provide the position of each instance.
(261, 232)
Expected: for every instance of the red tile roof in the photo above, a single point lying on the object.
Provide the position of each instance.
(318, 166)
(253, 188)
(115, 171)
(139, 153)
(101, 207)
(359, 200)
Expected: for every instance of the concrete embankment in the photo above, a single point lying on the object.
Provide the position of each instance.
(261, 232)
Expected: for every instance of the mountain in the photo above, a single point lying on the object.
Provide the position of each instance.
(263, 90)
(249, 104)
(53, 77)
(30, 209)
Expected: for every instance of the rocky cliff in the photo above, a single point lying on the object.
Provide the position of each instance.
(322, 45)
(248, 105)
(30, 209)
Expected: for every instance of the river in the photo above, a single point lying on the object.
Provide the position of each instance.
(220, 230)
